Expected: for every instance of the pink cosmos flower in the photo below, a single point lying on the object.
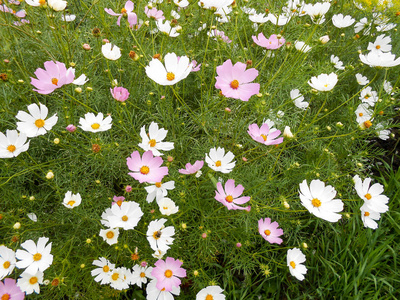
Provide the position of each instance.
(10, 290)
(230, 196)
(234, 81)
(270, 231)
(118, 200)
(272, 43)
(146, 168)
(54, 76)
(189, 169)
(167, 273)
(219, 34)
(126, 11)
(154, 13)
(196, 66)
(71, 127)
(264, 134)
(119, 93)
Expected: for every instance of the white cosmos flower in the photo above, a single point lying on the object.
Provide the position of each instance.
(159, 236)
(140, 275)
(323, 82)
(158, 190)
(111, 52)
(35, 2)
(57, 5)
(381, 44)
(295, 258)
(341, 21)
(120, 278)
(369, 96)
(213, 292)
(181, 3)
(153, 293)
(259, 18)
(94, 123)
(102, 273)
(167, 206)
(126, 216)
(110, 236)
(68, 18)
(301, 46)
(382, 133)
(72, 200)
(32, 216)
(81, 80)
(372, 195)
(380, 59)
(298, 99)
(337, 63)
(369, 216)
(29, 282)
(219, 161)
(317, 11)
(35, 123)
(279, 20)
(387, 86)
(362, 25)
(363, 114)
(166, 28)
(214, 4)
(36, 257)
(174, 71)
(7, 261)
(12, 144)
(361, 80)
(319, 200)
(153, 141)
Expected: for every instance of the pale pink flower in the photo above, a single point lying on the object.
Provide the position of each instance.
(270, 231)
(10, 290)
(146, 168)
(230, 197)
(219, 34)
(235, 81)
(119, 93)
(126, 11)
(167, 273)
(154, 13)
(54, 76)
(196, 66)
(192, 169)
(71, 128)
(118, 200)
(272, 43)
(264, 134)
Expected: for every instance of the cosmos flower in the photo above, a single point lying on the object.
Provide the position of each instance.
(153, 293)
(369, 216)
(319, 200)
(361, 80)
(10, 290)
(94, 123)
(167, 273)
(119, 278)
(372, 195)
(214, 4)
(369, 96)
(235, 81)
(270, 231)
(279, 20)
(219, 161)
(174, 71)
(110, 51)
(102, 273)
(153, 141)
(119, 93)
(12, 144)
(363, 115)
(54, 76)
(126, 216)
(35, 123)
(146, 168)
(219, 34)
(258, 18)
(212, 292)
(140, 275)
(72, 200)
(301, 46)
(167, 206)
(7, 261)
(154, 13)
(159, 236)
(110, 235)
(57, 5)
(295, 258)
(337, 63)
(381, 44)
(158, 190)
(192, 169)
(35, 257)
(273, 42)
(126, 11)
(380, 59)
(166, 28)
(317, 11)
(230, 195)
(29, 282)
(298, 99)
(341, 21)
(264, 135)
(323, 82)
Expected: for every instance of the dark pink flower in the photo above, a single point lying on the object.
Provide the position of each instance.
(167, 273)
(189, 169)
(154, 13)
(10, 290)
(234, 81)
(126, 11)
(270, 231)
(147, 168)
(71, 128)
(230, 197)
(272, 43)
(264, 134)
(128, 189)
(119, 93)
(54, 76)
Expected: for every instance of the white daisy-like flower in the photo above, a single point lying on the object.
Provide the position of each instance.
(214, 4)
(110, 51)
(369, 96)
(337, 63)
(159, 236)
(12, 144)
(279, 20)
(323, 82)
(380, 59)
(35, 123)
(166, 28)
(362, 25)
(35, 2)
(120, 278)
(102, 273)
(154, 140)
(301, 46)
(387, 86)
(213, 292)
(57, 5)
(126, 216)
(341, 21)
(298, 99)
(167, 206)
(72, 200)
(319, 200)
(369, 216)
(140, 275)
(153, 293)
(317, 11)
(259, 18)
(94, 123)
(363, 114)
(7, 261)
(295, 258)
(219, 161)
(110, 236)
(181, 3)
(174, 71)
(361, 80)
(382, 133)
(35, 257)
(29, 282)
(381, 44)
(372, 195)
(158, 190)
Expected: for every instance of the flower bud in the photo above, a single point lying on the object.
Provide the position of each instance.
(324, 39)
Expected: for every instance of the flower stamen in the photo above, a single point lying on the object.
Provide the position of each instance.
(234, 84)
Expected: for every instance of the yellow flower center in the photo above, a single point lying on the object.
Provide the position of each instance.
(164, 207)
(142, 274)
(123, 11)
(267, 232)
(106, 269)
(158, 184)
(37, 257)
(54, 81)
(156, 235)
(264, 137)
(378, 47)
(39, 123)
(33, 280)
(42, 2)
(368, 124)
(209, 297)
(218, 163)
(325, 85)
(368, 196)
(152, 143)
(119, 202)
(6, 265)
(168, 273)
(11, 148)
(170, 76)
(144, 170)
(71, 203)
(235, 84)
(124, 218)
(110, 235)
(95, 126)
(229, 198)
(360, 114)
(115, 276)
(292, 264)
(316, 203)
(366, 214)
(5, 297)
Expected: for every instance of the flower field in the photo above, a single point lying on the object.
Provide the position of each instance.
(212, 149)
